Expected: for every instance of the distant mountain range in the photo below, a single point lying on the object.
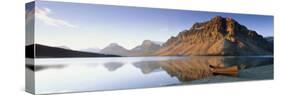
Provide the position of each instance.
(42, 51)
(112, 50)
(115, 49)
(94, 50)
(219, 37)
(147, 48)
(64, 47)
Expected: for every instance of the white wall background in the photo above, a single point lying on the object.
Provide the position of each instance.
(12, 46)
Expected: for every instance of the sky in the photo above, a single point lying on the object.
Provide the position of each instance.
(81, 26)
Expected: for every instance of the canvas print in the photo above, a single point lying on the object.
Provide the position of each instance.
(76, 47)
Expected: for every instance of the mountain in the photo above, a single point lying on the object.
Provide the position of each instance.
(218, 36)
(64, 47)
(43, 51)
(115, 49)
(270, 39)
(147, 47)
(94, 50)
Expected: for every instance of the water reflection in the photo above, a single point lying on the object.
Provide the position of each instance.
(188, 69)
(193, 68)
(248, 62)
(87, 74)
(112, 66)
(147, 67)
(184, 69)
(43, 67)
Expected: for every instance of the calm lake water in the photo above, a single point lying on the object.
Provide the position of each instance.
(92, 74)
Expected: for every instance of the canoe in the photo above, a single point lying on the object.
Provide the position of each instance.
(232, 71)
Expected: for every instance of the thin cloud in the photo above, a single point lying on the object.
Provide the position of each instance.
(43, 15)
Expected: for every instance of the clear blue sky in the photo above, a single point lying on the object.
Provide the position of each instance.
(81, 26)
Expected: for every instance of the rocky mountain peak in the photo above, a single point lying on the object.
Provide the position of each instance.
(115, 49)
(113, 45)
(147, 47)
(147, 42)
(218, 36)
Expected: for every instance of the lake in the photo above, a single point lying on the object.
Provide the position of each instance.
(110, 73)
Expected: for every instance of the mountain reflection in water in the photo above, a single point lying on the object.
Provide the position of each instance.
(88, 74)
(112, 66)
(184, 69)
(193, 68)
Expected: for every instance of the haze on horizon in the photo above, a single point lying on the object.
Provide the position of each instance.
(80, 26)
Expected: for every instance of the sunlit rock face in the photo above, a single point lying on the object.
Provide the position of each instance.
(218, 36)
